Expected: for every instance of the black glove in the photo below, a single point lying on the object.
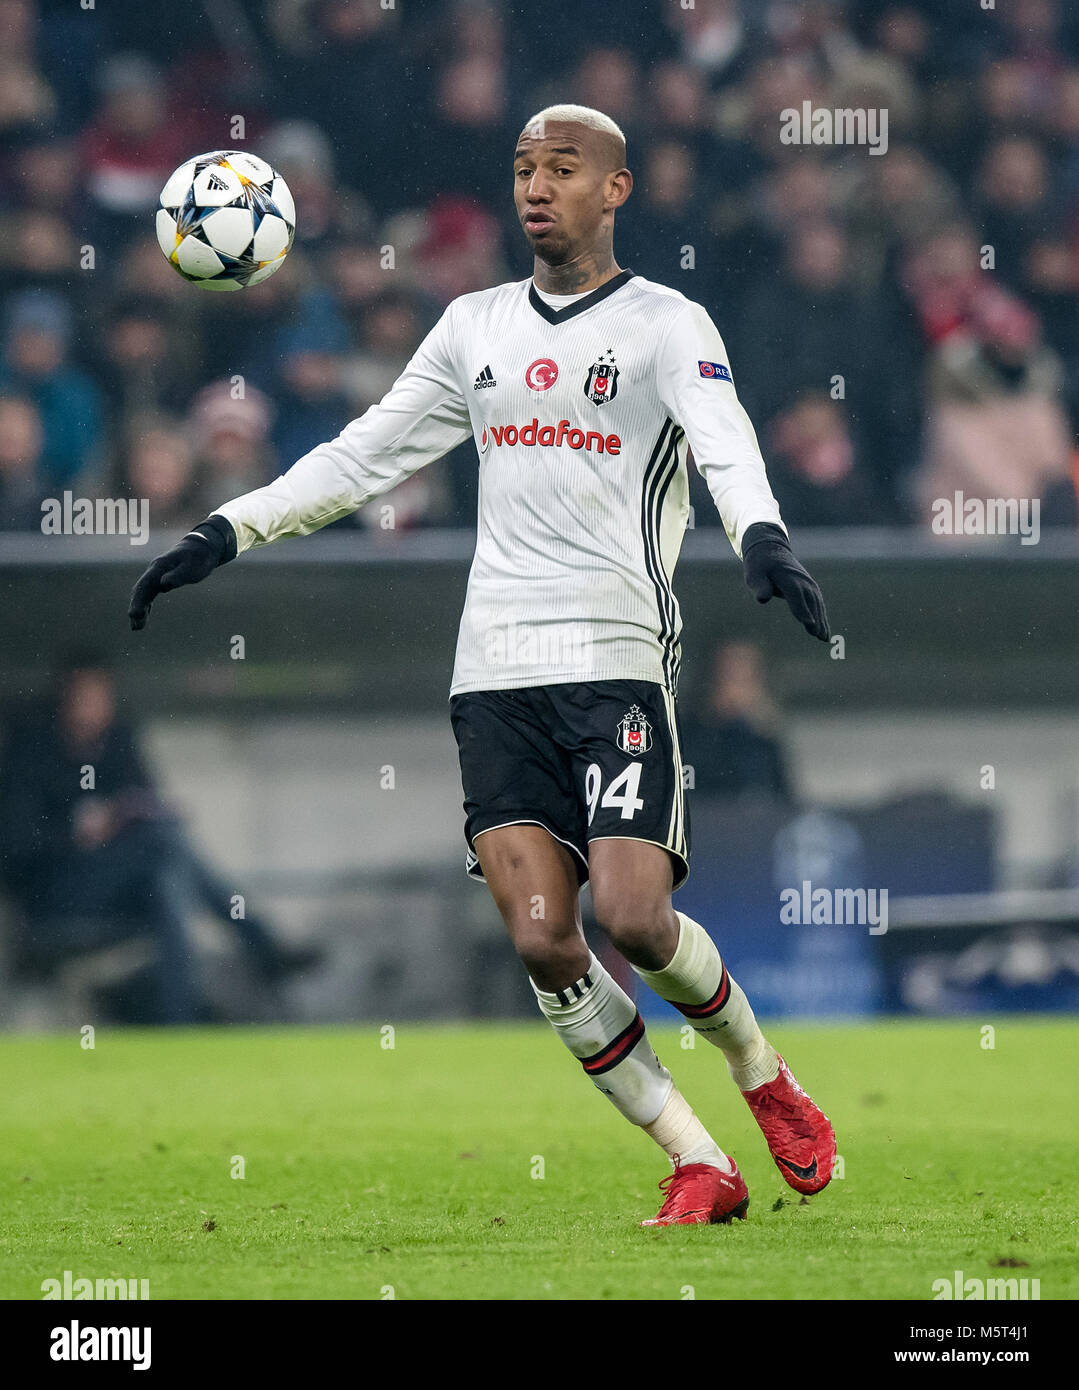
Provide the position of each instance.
(210, 544)
(772, 572)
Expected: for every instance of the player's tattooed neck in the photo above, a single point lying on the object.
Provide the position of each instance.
(588, 272)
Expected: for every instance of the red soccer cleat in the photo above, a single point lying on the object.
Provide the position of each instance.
(699, 1194)
(800, 1137)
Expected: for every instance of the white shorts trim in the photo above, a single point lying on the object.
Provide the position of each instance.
(472, 858)
(643, 840)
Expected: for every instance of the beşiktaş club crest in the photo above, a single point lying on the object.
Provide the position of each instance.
(635, 732)
(602, 383)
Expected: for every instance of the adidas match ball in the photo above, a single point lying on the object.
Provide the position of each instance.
(225, 220)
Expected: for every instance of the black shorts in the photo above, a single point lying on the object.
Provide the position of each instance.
(600, 760)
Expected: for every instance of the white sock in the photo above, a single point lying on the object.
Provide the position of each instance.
(599, 1023)
(697, 983)
(682, 1136)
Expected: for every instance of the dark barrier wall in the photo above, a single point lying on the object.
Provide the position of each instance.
(343, 620)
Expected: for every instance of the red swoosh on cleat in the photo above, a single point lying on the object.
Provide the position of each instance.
(806, 1174)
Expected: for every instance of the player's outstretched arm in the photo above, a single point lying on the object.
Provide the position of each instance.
(772, 571)
(696, 386)
(211, 543)
(423, 416)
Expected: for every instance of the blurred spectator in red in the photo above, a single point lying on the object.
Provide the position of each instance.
(36, 341)
(133, 143)
(20, 457)
(459, 251)
(995, 424)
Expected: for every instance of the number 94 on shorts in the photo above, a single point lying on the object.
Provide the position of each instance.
(588, 761)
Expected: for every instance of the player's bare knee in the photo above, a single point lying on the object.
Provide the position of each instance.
(541, 941)
(639, 929)
(553, 957)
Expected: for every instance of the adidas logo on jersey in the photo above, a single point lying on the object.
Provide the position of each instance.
(485, 378)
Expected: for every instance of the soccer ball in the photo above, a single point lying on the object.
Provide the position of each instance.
(225, 220)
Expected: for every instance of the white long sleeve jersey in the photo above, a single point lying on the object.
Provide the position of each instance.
(581, 418)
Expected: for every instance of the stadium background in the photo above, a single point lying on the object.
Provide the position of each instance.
(935, 756)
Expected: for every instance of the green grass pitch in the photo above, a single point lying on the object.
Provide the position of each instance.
(414, 1172)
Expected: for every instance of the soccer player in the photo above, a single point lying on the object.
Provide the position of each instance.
(583, 388)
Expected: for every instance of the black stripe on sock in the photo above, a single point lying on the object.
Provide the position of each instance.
(711, 1006)
(616, 1050)
(578, 987)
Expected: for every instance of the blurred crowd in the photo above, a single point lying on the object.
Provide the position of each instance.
(900, 325)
